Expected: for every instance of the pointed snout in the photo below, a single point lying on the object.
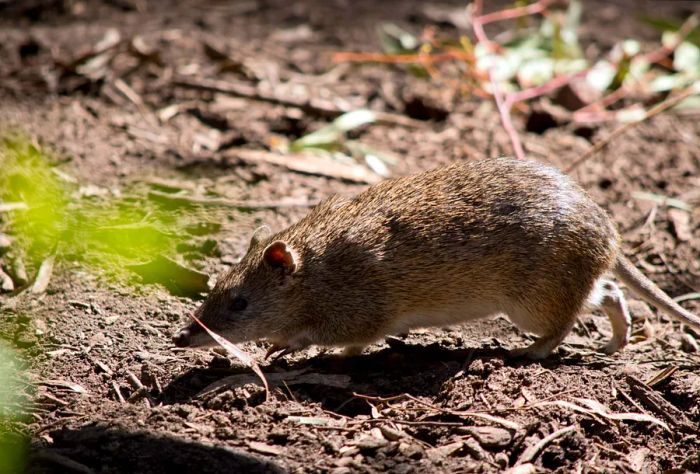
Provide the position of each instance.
(182, 337)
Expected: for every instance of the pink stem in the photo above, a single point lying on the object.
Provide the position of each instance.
(504, 111)
(503, 108)
(550, 86)
(509, 14)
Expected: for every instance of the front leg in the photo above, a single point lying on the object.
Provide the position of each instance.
(352, 351)
(295, 344)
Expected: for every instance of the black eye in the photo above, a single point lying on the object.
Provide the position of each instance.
(239, 304)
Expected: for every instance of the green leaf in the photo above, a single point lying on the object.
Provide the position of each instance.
(354, 119)
(322, 138)
(692, 102)
(569, 66)
(396, 40)
(686, 57)
(668, 82)
(329, 137)
(631, 114)
(601, 75)
(535, 72)
(670, 27)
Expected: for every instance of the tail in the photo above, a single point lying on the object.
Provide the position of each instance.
(652, 294)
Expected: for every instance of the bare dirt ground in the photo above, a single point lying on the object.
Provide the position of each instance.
(436, 401)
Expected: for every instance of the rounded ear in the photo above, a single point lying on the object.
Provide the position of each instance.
(260, 234)
(278, 255)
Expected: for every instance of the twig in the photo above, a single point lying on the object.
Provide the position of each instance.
(348, 56)
(408, 423)
(532, 452)
(503, 107)
(326, 109)
(474, 414)
(478, 27)
(118, 392)
(657, 109)
(511, 13)
(664, 51)
(180, 200)
(554, 84)
(504, 112)
(658, 404)
(136, 99)
(582, 114)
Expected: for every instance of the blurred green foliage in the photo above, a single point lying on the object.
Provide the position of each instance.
(13, 411)
(107, 229)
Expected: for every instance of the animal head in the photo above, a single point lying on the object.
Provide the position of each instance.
(255, 299)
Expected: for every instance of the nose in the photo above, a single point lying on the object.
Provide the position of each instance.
(182, 338)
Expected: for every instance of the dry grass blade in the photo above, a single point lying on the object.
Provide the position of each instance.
(43, 277)
(232, 349)
(72, 386)
(13, 206)
(467, 414)
(312, 164)
(531, 453)
(661, 375)
(662, 200)
(593, 407)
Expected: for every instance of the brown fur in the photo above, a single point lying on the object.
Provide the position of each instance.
(441, 247)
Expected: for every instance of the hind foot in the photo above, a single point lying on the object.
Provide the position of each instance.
(539, 349)
(613, 346)
(529, 352)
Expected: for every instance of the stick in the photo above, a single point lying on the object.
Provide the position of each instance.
(657, 109)
(664, 51)
(503, 107)
(504, 112)
(554, 84)
(651, 399)
(511, 13)
(180, 200)
(324, 109)
(343, 56)
(532, 452)
(655, 56)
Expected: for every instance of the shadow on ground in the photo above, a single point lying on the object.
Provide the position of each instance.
(105, 449)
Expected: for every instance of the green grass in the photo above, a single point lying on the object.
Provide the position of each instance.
(103, 232)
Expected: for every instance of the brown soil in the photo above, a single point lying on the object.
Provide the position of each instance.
(168, 426)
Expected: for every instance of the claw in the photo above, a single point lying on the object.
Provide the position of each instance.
(283, 351)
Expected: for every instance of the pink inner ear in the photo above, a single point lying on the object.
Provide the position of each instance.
(276, 256)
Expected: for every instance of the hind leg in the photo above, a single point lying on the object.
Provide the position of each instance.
(607, 296)
(552, 325)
